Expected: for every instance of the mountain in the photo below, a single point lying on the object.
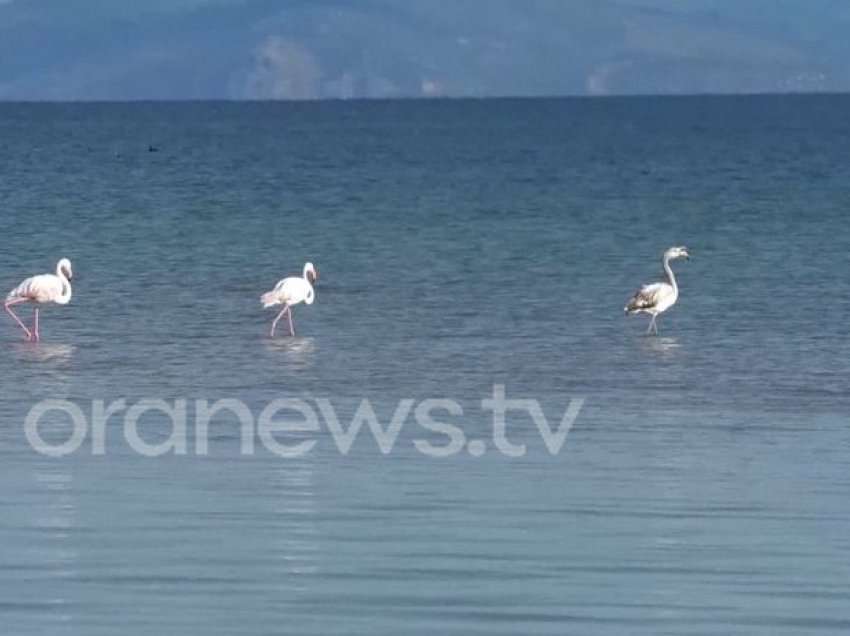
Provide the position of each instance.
(309, 49)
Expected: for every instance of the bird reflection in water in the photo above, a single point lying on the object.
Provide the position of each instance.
(298, 351)
(665, 346)
(57, 354)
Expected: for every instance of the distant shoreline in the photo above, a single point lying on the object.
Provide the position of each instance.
(441, 99)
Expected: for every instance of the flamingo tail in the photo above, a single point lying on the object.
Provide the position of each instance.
(269, 299)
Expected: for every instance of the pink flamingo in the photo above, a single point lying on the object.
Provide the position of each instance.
(46, 288)
(291, 291)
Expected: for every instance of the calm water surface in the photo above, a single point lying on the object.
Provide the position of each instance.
(703, 489)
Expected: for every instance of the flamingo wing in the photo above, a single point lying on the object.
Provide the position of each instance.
(296, 290)
(286, 291)
(648, 297)
(41, 289)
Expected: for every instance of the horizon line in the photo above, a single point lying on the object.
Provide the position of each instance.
(419, 98)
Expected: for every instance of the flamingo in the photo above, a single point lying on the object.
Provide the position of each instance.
(657, 298)
(291, 291)
(46, 288)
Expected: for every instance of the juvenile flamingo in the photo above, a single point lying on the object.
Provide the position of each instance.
(46, 288)
(291, 291)
(657, 298)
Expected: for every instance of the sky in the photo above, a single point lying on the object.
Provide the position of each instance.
(318, 49)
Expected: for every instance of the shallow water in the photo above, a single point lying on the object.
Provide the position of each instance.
(702, 489)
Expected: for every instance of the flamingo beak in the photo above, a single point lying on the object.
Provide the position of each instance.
(314, 276)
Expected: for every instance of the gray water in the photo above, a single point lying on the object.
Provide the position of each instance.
(703, 488)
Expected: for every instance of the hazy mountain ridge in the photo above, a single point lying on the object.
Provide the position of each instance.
(305, 49)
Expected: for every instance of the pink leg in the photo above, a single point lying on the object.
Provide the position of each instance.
(36, 334)
(9, 306)
(291, 330)
(276, 320)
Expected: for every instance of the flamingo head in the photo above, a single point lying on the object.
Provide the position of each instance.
(64, 268)
(311, 274)
(677, 252)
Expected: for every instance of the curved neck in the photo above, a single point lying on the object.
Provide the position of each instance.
(669, 271)
(66, 285)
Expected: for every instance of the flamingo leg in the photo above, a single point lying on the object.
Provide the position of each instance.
(36, 334)
(9, 306)
(276, 320)
(291, 330)
(652, 326)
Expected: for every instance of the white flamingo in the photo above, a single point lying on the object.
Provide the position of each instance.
(46, 288)
(291, 291)
(657, 298)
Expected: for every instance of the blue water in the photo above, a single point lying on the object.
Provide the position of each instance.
(704, 487)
